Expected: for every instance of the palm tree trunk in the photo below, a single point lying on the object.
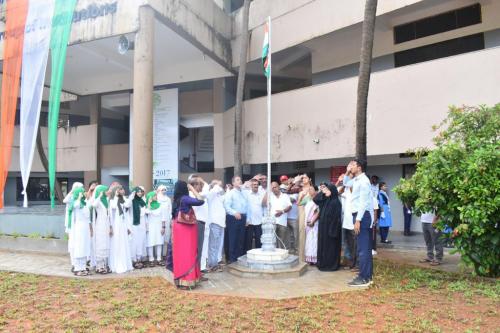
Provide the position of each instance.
(238, 116)
(365, 65)
(45, 163)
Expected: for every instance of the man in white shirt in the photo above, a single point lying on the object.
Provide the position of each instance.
(362, 212)
(217, 217)
(433, 239)
(202, 217)
(280, 206)
(255, 213)
(348, 235)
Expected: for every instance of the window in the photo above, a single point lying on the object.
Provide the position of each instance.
(439, 50)
(454, 19)
(38, 187)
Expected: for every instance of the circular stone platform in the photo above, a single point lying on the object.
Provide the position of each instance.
(276, 264)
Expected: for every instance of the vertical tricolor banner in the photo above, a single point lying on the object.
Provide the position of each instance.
(16, 13)
(61, 28)
(266, 64)
(35, 55)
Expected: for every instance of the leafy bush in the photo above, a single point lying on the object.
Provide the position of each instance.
(460, 180)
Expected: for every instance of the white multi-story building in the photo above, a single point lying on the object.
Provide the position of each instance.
(427, 56)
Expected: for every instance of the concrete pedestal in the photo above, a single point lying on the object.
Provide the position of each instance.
(259, 263)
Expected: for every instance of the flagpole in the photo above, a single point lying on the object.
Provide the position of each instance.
(269, 119)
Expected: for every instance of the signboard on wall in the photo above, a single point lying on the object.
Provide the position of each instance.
(166, 138)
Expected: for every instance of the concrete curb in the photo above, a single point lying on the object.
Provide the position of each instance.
(39, 245)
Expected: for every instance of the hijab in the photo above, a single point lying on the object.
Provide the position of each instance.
(154, 204)
(159, 194)
(120, 198)
(100, 189)
(137, 203)
(76, 194)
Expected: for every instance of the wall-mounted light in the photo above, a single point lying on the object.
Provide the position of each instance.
(316, 141)
(124, 44)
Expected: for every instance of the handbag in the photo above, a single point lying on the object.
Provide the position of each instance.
(186, 218)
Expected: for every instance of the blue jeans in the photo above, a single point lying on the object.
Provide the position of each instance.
(364, 244)
(236, 236)
(214, 243)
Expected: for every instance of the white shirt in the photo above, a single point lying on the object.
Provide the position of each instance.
(362, 196)
(279, 204)
(201, 212)
(217, 212)
(345, 199)
(375, 190)
(255, 208)
(427, 217)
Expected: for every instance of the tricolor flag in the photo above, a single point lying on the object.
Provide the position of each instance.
(266, 64)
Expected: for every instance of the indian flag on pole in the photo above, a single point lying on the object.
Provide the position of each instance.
(266, 64)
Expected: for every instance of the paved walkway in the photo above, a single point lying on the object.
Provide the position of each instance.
(405, 250)
(313, 282)
(411, 257)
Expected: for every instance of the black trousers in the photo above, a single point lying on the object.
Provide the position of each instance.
(236, 232)
(407, 218)
(253, 232)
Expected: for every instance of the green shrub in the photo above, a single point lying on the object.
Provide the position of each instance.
(460, 180)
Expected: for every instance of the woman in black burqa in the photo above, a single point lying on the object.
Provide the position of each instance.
(329, 228)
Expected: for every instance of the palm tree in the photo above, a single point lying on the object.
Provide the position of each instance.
(365, 65)
(238, 116)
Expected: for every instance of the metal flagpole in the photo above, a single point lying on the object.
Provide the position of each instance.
(269, 119)
(268, 238)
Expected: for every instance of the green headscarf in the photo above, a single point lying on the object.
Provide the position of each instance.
(98, 190)
(137, 203)
(76, 194)
(154, 204)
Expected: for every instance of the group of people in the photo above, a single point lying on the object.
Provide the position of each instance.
(111, 232)
(208, 222)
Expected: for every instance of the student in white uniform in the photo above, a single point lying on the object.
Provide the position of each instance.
(120, 260)
(79, 220)
(68, 200)
(138, 228)
(89, 197)
(166, 204)
(103, 229)
(156, 225)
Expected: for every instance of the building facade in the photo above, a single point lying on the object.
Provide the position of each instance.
(427, 56)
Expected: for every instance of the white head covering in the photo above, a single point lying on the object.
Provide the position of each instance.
(76, 185)
(159, 194)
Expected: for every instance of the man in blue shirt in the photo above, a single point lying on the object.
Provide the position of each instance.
(236, 205)
(362, 211)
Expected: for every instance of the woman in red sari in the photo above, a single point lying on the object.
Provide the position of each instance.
(185, 238)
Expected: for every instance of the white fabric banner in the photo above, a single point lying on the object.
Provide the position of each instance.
(166, 138)
(35, 54)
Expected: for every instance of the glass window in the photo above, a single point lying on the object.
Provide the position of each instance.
(451, 20)
(439, 50)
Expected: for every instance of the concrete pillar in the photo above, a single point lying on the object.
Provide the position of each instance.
(95, 119)
(142, 125)
(218, 109)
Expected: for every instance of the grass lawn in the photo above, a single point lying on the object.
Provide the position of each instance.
(403, 299)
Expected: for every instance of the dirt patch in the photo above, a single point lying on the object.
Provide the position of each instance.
(403, 299)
